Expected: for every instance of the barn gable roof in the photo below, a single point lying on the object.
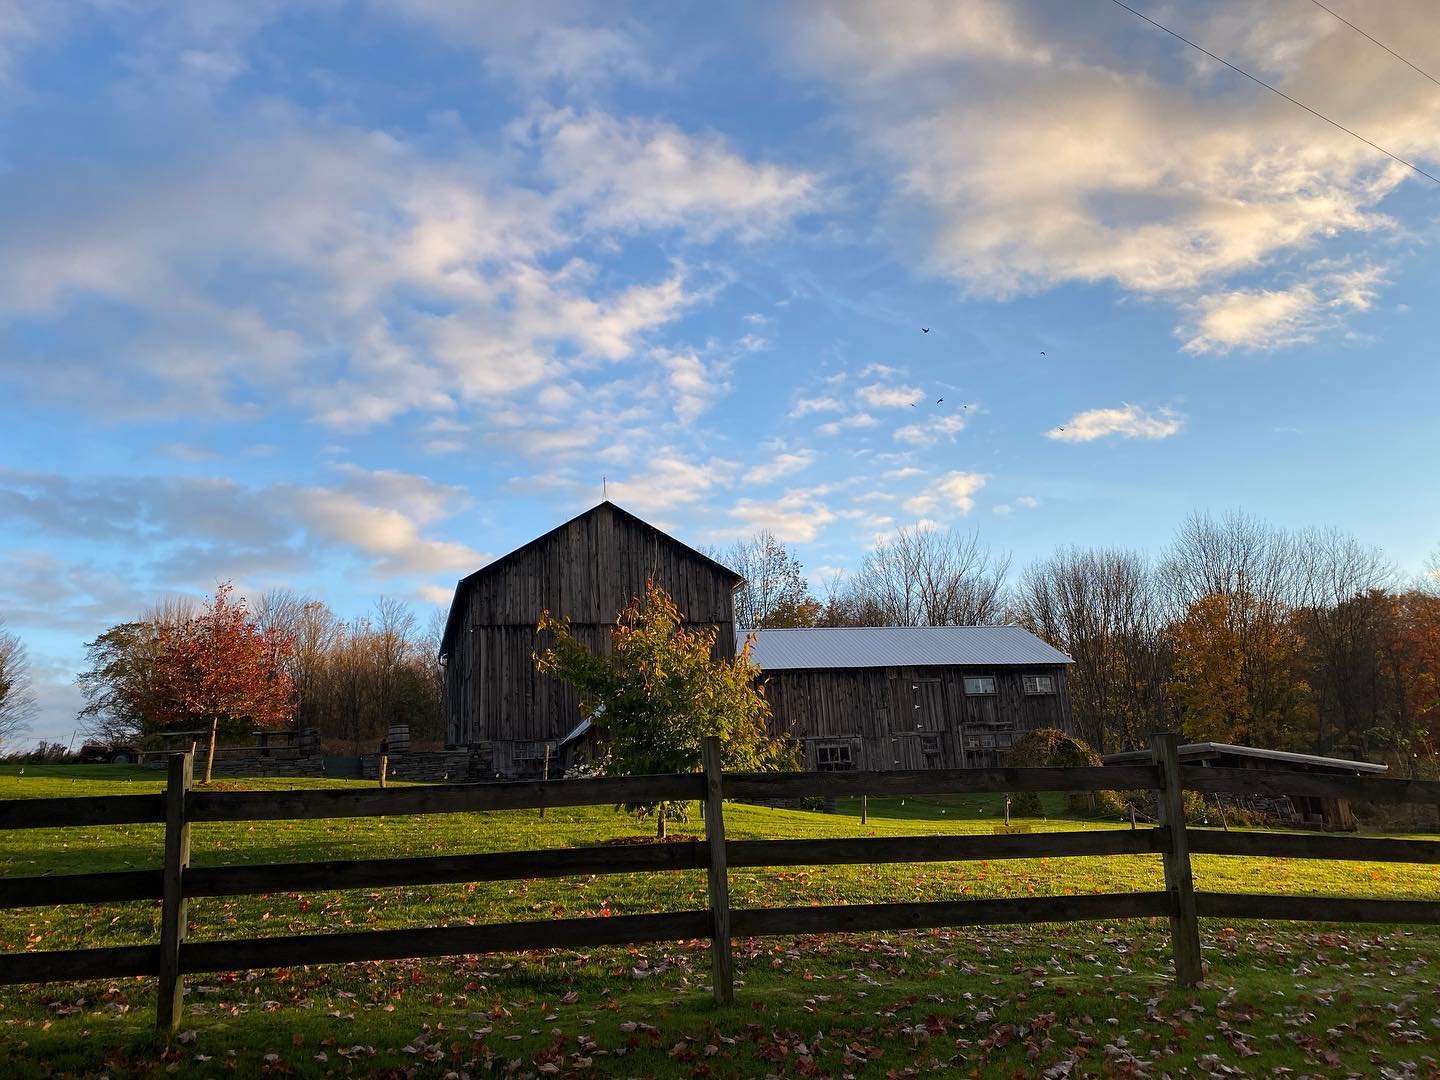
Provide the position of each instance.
(901, 646)
(464, 585)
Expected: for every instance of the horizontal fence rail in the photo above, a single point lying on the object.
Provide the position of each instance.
(108, 887)
(937, 782)
(88, 810)
(442, 941)
(441, 798)
(443, 869)
(836, 918)
(1315, 908)
(1216, 781)
(921, 849)
(56, 965)
(1313, 846)
(180, 807)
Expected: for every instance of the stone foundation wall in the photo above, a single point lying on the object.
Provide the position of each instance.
(440, 766)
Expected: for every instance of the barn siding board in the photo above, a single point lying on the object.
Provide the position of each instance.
(586, 570)
(874, 711)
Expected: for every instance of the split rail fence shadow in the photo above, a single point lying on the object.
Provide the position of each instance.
(180, 807)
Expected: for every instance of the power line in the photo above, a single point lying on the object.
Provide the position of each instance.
(1382, 45)
(1280, 93)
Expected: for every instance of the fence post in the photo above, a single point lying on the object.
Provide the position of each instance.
(170, 993)
(864, 810)
(382, 766)
(1179, 881)
(545, 774)
(722, 961)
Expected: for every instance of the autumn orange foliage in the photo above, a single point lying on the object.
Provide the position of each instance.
(221, 672)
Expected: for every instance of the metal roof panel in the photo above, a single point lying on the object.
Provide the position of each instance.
(901, 646)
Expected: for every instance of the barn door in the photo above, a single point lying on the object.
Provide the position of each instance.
(918, 704)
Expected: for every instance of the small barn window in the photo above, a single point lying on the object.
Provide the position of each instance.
(980, 684)
(987, 741)
(1039, 684)
(833, 757)
(1003, 738)
(930, 745)
(972, 742)
(529, 761)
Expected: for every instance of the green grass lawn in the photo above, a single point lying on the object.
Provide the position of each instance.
(1008, 1001)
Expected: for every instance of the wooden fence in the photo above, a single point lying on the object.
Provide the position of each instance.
(180, 807)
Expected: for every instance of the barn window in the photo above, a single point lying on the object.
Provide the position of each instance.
(1039, 684)
(529, 760)
(1003, 738)
(980, 684)
(930, 745)
(987, 741)
(972, 742)
(833, 757)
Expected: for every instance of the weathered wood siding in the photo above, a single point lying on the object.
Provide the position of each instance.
(587, 570)
(913, 717)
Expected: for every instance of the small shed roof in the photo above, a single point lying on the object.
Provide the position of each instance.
(902, 646)
(1211, 750)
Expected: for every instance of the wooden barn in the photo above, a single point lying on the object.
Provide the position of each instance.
(933, 697)
(1330, 815)
(587, 569)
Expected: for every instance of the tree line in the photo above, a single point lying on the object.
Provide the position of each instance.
(228, 670)
(17, 698)
(1237, 631)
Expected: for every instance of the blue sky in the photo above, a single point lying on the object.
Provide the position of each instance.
(350, 297)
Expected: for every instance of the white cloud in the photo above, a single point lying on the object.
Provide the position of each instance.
(903, 473)
(669, 480)
(198, 529)
(852, 422)
(577, 45)
(797, 516)
(885, 41)
(632, 174)
(694, 386)
(883, 396)
(957, 489)
(783, 464)
(379, 278)
(955, 492)
(1278, 318)
(1023, 502)
(392, 537)
(436, 594)
(805, 406)
(1023, 168)
(931, 431)
(1127, 422)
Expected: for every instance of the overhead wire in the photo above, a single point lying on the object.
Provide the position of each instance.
(1381, 44)
(1280, 93)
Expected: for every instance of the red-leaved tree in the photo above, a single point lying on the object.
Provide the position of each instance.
(220, 670)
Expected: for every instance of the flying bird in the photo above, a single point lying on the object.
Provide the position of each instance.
(924, 329)
(1042, 352)
(938, 400)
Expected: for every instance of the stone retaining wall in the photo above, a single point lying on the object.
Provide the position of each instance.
(451, 765)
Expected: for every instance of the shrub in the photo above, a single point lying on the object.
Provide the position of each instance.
(1052, 748)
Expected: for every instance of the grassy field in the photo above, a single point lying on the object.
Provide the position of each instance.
(1088, 999)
